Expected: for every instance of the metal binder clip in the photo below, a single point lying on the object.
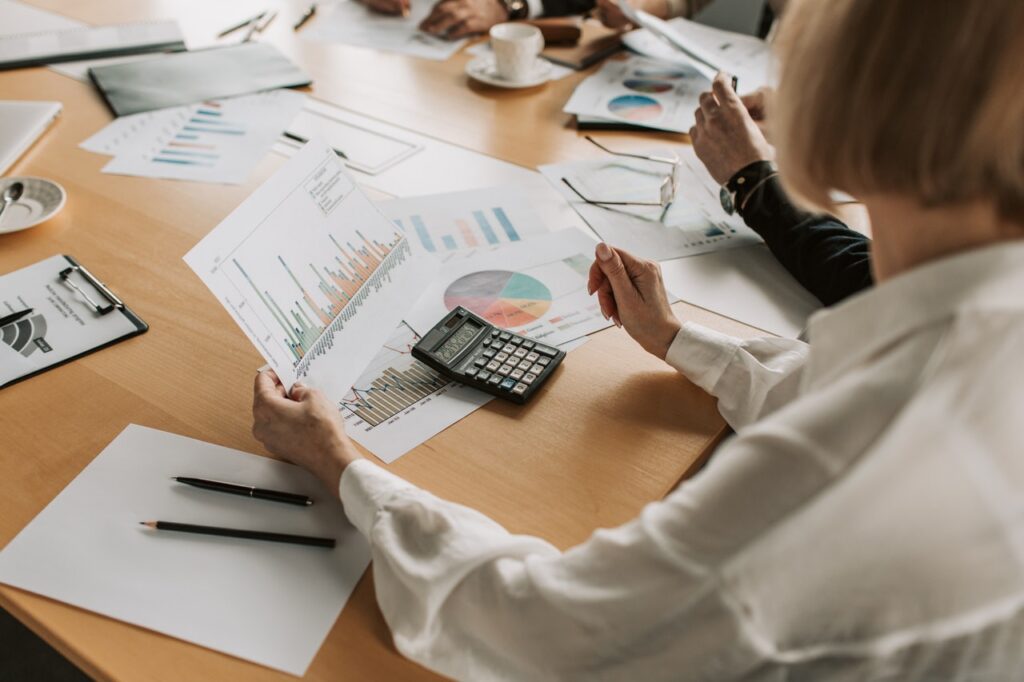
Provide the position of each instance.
(114, 303)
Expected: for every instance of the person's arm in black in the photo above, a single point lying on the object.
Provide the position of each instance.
(828, 258)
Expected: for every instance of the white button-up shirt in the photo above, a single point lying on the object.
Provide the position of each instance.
(866, 522)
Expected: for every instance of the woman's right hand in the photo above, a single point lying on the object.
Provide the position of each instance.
(631, 293)
(396, 7)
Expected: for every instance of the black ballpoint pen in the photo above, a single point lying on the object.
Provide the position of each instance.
(303, 140)
(238, 27)
(245, 491)
(14, 317)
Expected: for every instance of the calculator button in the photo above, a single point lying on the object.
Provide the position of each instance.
(516, 340)
(471, 372)
(501, 357)
(508, 348)
(520, 352)
(495, 379)
(485, 343)
(525, 365)
(544, 350)
(489, 353)
(544, 361)
(508, 384)
(517, 374)
(520, 388)
(528, 344)
(532, 357)
(493, 365)
(483, 375)
(529, 378)
(495, 332)
(504, 370)
(480, 362)
(537, 369)
(505, 336)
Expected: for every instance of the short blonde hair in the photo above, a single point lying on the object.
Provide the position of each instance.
(921, 98)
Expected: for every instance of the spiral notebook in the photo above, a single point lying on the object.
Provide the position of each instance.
(72, 313)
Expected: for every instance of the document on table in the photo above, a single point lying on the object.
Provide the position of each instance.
(642, 92)
(695, 222)
(464, 221)
(265, 602)
(746, 57)
(746, 284)
(312, 272)
(537, 288)
(217, 141)
(352, 23)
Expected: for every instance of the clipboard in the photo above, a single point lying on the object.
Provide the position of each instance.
(73, 314)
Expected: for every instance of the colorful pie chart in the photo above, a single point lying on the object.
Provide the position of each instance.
(505, 299)
(635, 107)
(646, 85)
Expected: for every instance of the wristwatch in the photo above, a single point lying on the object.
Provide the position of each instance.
(517, 9)
(734, 193)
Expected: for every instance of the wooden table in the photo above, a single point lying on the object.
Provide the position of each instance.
(615, 430)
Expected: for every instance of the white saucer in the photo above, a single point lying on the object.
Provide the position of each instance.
(484, 70)
(41, 200)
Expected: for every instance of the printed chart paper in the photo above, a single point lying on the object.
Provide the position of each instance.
(537, 288)
(218, 141)
(352, 23)
(314, 275)
(461, 221)
(399, 402)
(695, 222)
(642, 92)
(265, 602)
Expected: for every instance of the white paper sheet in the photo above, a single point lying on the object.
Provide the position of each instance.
(695, 223)
(464, 221)
(746, 57)
(747, 285)
(219, 141)
(641, 92)
(312, 272)
(537, 288)
(264, 602)
(352, 23)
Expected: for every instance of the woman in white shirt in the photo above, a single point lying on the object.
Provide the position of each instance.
(866, 522)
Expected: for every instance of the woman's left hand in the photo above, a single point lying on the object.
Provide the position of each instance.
(304, 428)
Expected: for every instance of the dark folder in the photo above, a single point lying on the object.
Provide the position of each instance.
(190, 77)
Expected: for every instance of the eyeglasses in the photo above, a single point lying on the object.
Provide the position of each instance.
(666, 191)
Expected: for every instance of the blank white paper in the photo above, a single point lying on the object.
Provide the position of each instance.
(265, 602)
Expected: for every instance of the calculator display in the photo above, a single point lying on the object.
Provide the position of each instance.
(457, 341)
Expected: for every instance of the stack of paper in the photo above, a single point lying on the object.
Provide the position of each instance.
(218, 141)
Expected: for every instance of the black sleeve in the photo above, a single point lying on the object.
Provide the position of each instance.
(562, 8)
(828, 258)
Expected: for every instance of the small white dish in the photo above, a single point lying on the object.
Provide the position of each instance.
(484, 69)
(41, 200)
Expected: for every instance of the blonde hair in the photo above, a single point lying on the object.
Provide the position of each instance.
(922, 98)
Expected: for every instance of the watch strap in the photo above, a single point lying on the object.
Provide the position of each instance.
(517, 9)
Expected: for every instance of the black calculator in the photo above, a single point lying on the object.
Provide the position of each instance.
(470, 350)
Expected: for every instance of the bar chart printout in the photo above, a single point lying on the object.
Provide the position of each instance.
(463, 221)
(398, 402)
(314, 275)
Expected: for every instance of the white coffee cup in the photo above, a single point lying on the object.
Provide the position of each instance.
(516, 47)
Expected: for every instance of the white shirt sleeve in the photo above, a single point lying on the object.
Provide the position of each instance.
(750, 378)
(466, 598)
(536, 8)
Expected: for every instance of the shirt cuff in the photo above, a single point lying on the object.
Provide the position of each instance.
(702, 354)
(364, 489)
(536, 8)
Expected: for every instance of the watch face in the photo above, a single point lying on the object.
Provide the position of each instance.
(725, 196)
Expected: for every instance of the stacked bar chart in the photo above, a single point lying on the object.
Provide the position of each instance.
(338, 281)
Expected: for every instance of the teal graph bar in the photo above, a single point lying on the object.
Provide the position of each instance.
(506, 224)
(485, 227)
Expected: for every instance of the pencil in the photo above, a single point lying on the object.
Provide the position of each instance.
(239, 533)
(305, 17)
(303, 140)
(237, 27)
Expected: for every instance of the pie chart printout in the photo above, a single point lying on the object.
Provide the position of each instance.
(647, 85)
(635, 107)
(505, 299)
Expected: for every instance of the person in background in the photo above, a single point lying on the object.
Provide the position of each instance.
(865, 522)
(455, 19)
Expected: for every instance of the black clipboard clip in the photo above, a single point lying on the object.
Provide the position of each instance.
(113, 302)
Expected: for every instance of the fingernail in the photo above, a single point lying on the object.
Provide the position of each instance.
(603, 251)
(617, 322)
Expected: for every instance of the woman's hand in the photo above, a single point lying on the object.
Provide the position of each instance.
(611, 15)
(454, 19)
(396, 7)
(304, 429)
(726, 137)
(631, 293)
